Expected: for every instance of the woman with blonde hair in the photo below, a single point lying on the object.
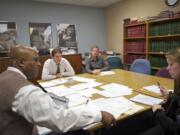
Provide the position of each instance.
(167, 116)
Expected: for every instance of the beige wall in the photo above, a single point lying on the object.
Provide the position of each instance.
(116, 13)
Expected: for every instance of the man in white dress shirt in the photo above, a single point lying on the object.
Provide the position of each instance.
(23, 105)
(57, 66)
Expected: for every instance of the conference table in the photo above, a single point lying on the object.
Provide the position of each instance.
(136, 81)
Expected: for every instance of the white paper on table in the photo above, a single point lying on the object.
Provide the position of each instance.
(47, 84)
(88, 92)
(83, 79)
(135, 108)
(107, 73)
(83, 86)
(115, 106)
(115, 90)
(146, 99)
(43, 130)
(76, 99)
(60, 90)
(80, 86)
(113, 86)
(153, 88)
(93, 84)
(51, 83)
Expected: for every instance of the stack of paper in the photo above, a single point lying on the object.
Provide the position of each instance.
(60, 90)
(146, 99)
(88, 92)
(115, 106)
(82, 79)
(107, 73)
(83, 86)
(76, 99)
(51, 83)
(114, 90)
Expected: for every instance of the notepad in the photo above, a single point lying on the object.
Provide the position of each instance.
(153, 88)
(146, 99)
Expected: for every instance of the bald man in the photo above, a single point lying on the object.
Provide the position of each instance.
(23, 105)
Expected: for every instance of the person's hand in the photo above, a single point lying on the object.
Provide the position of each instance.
(164, 91)
(58, 75)
(107, 119)
(96, 71)
(157, 107)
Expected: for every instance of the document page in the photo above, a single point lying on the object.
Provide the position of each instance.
(107, 73)
(146, 99)
(153, 88)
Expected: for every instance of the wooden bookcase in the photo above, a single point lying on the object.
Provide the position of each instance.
(134, 41)
(151, 40)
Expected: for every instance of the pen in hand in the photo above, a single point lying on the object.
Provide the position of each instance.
(162, 90)
(87, 101)
(158, 84)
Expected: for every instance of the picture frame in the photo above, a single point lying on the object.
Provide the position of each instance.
(67, 38)
(8, 36)
(41, 37)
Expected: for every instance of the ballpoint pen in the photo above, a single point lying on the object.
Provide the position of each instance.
(87, 101)
(158, 84)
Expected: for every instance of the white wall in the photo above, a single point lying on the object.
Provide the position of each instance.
(90, 22)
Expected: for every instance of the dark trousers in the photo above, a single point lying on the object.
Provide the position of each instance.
(77, 132)
(156, 130)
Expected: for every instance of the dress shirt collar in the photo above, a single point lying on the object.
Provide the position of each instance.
(17, 71)
(55, 62)
(97, 58)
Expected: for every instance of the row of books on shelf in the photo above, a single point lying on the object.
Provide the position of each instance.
(165, 29)
(128, 59)
(163, 46)
(135, 46)
(158, 61)
(138, 31)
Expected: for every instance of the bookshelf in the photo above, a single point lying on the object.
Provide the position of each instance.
(134, 41)
(163, 35)
(151, 40)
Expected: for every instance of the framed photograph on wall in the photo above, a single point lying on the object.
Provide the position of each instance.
(67, 38)
(8, 36)
(41, 37)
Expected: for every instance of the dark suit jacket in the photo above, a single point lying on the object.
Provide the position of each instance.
(169, 120)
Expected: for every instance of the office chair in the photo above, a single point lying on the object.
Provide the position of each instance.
(141, 66)
(163, 72)
(115, 62)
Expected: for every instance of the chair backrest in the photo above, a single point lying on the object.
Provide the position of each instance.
(115, 62)
(141, 66)
(163, 72)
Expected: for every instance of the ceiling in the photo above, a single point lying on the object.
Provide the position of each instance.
(92, 3)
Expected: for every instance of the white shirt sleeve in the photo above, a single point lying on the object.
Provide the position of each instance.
(37, 107)
(46, 75)
(69, 71)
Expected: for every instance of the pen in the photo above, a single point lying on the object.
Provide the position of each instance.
(87, 101)
(158, 84)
